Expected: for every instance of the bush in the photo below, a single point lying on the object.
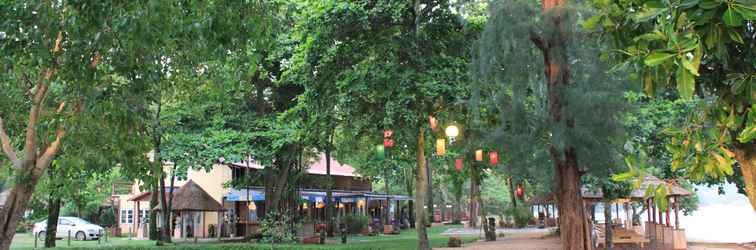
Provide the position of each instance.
(22, 227)
(521, 215)
(107, 218)
(278, 228)
(355, 222)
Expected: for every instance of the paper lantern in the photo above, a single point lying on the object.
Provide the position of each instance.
(479, 155)
(380, 152)
(440, 147)
(388, 133)
(493, 157)
(433, 122)
(388, 143)
(320, 205)
(304, 205)
(519, 191)
(452, 131)
(458, 164)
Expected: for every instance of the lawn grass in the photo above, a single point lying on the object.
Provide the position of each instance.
(407, 239)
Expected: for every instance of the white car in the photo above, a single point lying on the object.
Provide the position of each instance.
(80, 229)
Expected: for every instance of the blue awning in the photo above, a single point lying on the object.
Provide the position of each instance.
(245, 195)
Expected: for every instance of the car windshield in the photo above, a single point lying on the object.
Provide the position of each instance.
(78, 221)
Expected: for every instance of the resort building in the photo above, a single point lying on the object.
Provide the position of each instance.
(201, 198)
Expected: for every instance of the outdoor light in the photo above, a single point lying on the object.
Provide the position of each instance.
(458, 164)
(388, 143)
(493, 157)
(320, 205)
(440, 147)
(252, 205)
(388, 133)
(380, 152)
(479, 155)
(452, 132)
(304, 205)
(433, 122)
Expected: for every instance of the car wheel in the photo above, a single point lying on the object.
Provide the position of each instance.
(41, 235)
(81, 236)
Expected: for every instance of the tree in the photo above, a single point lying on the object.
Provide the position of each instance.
(701, 48)
(391, 63)
(551, 104)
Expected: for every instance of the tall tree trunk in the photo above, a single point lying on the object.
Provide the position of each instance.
(154, 234)
(458, 203)
(474, 196)
(53, 212)
(746, 156)
(329, 192)
(421, 187)
(608, 226)
(410, 203)
(512, 197)
(169, 219)
(431, 209)
(553, 45)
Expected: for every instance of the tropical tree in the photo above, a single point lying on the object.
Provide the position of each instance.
(704, 49)
(551, 105)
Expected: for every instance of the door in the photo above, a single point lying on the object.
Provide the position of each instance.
(63, 227)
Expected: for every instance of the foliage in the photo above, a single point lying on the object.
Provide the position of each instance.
(278, 228)
(355, 222)
(521, 215)
(701, 48)
(107, 218)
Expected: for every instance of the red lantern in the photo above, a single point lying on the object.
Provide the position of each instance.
(433, 122)
(458, 164)
(388, 133)
(388, 143)
(493, 157)
(519, 191)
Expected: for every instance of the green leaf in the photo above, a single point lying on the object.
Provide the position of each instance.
(732, 18)
(748, 134)
(748, 12)
(648, 14)
(709, 4)
(686, 83)
(623, 176)
(688, 3)
(687, 64)
(648, 84)
(735, 36)
(650, 37)
(656, 58)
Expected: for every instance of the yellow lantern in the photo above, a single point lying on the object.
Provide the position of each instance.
(440, 147)
(304, 205)
(361, 203)
(320, 205)
(479, 155)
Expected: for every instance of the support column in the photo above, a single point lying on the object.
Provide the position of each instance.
(669, 223)
(653, 210)
(677, 219)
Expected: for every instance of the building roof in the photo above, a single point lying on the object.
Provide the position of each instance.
(146, 196)
(317, 168)
(191, 197)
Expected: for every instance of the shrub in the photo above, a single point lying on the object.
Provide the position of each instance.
(278, 228)
(22, 227)
(355, 222)
(107, 218)
(521, 215)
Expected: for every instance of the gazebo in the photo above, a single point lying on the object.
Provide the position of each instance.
(187, 202)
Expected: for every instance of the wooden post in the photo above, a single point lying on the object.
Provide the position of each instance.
(648, 210)
(220, 224)
(677, 219)
(669, 223)
(138, 218)
(653, 211)
(204, 231)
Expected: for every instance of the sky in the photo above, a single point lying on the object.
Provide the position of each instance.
(721, 218)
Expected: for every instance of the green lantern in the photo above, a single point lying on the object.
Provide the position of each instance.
(380, 152)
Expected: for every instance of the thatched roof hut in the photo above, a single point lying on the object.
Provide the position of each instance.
(674, 189)
(191, 197)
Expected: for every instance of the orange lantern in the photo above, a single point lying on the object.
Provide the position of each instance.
(479, 155)
(493, 157)
(458, 164)
(440, 147)
(433, 122)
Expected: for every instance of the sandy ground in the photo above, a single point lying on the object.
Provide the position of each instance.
(543, 240)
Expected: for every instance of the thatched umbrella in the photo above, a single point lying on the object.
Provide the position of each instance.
(192, 198)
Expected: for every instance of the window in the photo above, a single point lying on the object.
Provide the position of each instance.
(143, 215)
(127, 216)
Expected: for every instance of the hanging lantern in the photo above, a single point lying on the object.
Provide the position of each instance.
(519, 191)
(479, 155)
(304, 205)
(320, 205)
(440, 147)
(493, 157)
(433, 122)
(380, 152)
(451, 132)
(388, 133)
(388, 143)
(458, 164)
